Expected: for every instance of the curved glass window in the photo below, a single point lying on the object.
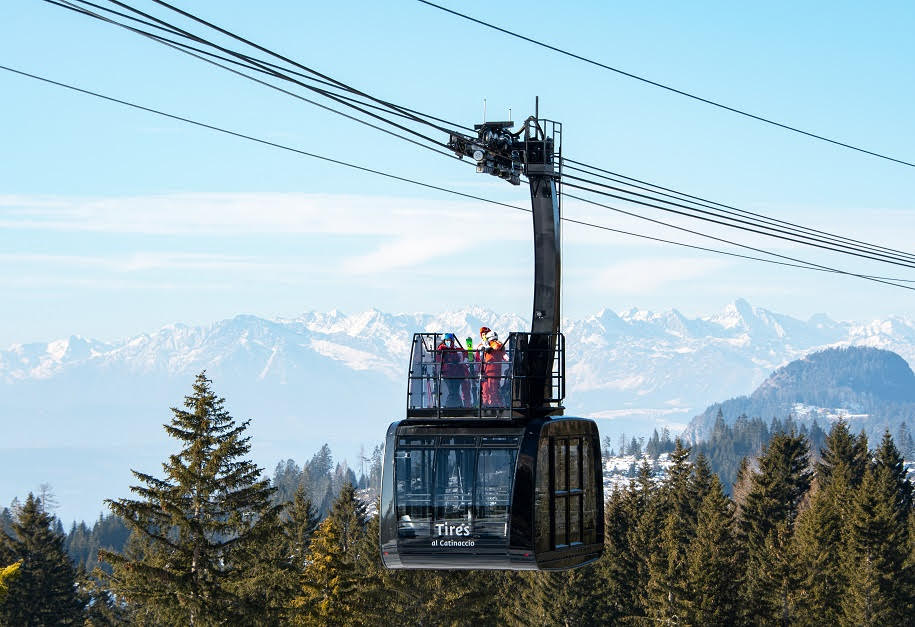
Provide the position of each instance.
(454, 487)
(413, 478)
(495, 474)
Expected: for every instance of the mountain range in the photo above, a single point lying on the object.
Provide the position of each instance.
(330, 377)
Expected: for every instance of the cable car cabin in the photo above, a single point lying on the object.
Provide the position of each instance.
(483, 473)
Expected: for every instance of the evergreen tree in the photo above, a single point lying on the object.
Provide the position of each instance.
(773, 579)
(463, 597)
(44, 591)
(818, 546)
(704, 481)
(905, 442)
(649, 514)
(193, 532)
(102, 609)
(6, 521)
(277, 587)
(287, 477)
(776, 489)
(713, 564)
(341, 579)
(888, 460)
(552, 599)
(843, 448)
(619, 567)
(876, 553)
(742, 486)
(301, 523)
(665, 593)
(766, 525)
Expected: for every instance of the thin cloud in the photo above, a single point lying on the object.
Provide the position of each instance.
(647, 275)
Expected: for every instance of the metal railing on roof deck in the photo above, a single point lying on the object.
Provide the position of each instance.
(526, 376)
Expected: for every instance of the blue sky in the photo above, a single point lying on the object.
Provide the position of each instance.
(115, 222)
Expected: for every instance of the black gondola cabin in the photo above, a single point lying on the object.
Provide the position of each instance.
(477, 484)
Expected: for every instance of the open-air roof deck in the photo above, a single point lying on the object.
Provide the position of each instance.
(450, 380)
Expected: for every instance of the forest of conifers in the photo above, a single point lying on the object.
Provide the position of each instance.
(806, 537)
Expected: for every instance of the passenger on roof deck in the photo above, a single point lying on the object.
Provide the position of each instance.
(450, 355)
(471, 389)
(493, 357)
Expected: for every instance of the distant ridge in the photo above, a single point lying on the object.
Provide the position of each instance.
(873, 389)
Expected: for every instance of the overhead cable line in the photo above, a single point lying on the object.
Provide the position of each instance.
(809, 264)
(277, 74)
(277, 55)
(812, 240)
(254, 63)
(682, 196)
(193, 51)
(866, 251)
(670, 209)
(797, 263)
(276, 71)
(674, 90)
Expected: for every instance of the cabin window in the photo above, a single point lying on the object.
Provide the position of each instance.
(567, 491)
(413, 477)
(454, 485)
(589, 507)
(495, 475)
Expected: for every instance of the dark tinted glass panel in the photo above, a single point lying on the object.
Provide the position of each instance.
(413, 480)
(458, 440)
(574, 469)
(542, 514)
(590, 496)
(559, 522)
(429, 442)
(560, 451)
(495, 476)
(454, 485)
(574, 519)
(500, 440)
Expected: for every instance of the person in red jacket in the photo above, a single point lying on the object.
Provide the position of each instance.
(492, 354)
(451, 357)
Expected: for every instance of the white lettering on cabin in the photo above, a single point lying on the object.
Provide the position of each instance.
(446, 529)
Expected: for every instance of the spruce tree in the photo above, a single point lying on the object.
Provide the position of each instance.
(619, 567)
(553, 599)
(713, 564)
(776, 489)
(842, 448)
(461, 597)
(742, 485)
(818, 539)
(193, 531)
(876, 554)
(888, 459)
(341, 581)
(300, 525)
(766, 525)
(44, 591)
(704, 481)
(664, 593)
(648, 514)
